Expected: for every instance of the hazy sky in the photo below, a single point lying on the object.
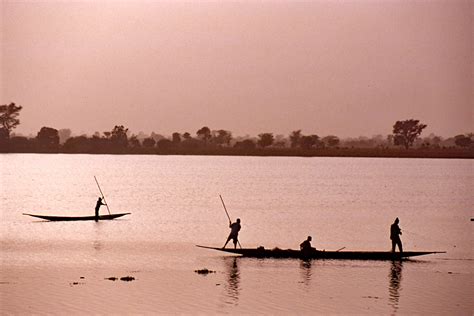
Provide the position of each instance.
(348, 68)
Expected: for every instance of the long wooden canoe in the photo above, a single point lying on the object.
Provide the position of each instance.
(261, 252)
(77, 218)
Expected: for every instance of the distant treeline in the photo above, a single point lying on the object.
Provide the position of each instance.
(404, 142)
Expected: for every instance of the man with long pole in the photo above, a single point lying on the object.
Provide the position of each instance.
(99, 202)
(234, 229)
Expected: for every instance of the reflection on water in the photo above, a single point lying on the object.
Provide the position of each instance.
(233, 278)
(305, 269)
(395, 280)
(97, 245)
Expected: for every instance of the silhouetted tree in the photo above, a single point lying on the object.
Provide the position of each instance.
(176, 137)
(3, 133)
(149, 142)
(156, 137)
(191, 143)
(265, 139)
(3, 139)
(164, 144)
(134, 142)
(186, 135)
(406, 132)
(48, 139)
(8, 118)
(64, 134)
(20, 144)
(246, 144)
(99, 144)
(331, 140)
(204, 133)
(118, 136)
(463, 140)
(222, 137)
(308, 142)
(80, 144)
(436, 140)
(295, 138)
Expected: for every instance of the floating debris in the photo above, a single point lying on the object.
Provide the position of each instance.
(75, 283)
(374, 297)
(204, 271)
(82, 278)
(127, 278)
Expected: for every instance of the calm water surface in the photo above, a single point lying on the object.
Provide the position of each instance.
(61, 267)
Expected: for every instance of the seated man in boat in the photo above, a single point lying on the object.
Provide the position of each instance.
(97, 207)
(395, 233)
(234, 233)
(306, 245)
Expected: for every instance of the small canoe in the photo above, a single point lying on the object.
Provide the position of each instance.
(77, 218)
(261, 252)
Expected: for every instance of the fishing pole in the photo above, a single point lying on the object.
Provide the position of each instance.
(103, 197)
(225, 209)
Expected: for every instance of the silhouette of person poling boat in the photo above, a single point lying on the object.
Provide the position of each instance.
(395, 233)
(97, 207)
(234, 229)
(234, 233)
(96, 217)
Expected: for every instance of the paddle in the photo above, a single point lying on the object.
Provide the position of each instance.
(225, 209)
(340, 249)
(103, 197)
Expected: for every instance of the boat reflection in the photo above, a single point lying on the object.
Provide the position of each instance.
(395, 279)
(233, 278)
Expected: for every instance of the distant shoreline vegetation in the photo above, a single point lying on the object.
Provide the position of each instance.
(405, 142)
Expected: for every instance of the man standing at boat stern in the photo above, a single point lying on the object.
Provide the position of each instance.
(234, 232)
(97, 207)
(395, 233)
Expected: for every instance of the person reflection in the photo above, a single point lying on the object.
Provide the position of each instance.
(305, 269)
(395, 279)
(233, 278)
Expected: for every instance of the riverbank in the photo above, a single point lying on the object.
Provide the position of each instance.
(443, 153)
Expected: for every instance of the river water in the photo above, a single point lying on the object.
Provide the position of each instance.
(64, 267)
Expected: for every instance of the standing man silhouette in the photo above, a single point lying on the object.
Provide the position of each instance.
(395, 233)
(234, 233)
(97, 207)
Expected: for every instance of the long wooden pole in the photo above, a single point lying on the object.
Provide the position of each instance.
(103, 197)
(230, 221)
(225, 209)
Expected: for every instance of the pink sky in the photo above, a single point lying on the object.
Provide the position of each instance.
(348, 68)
